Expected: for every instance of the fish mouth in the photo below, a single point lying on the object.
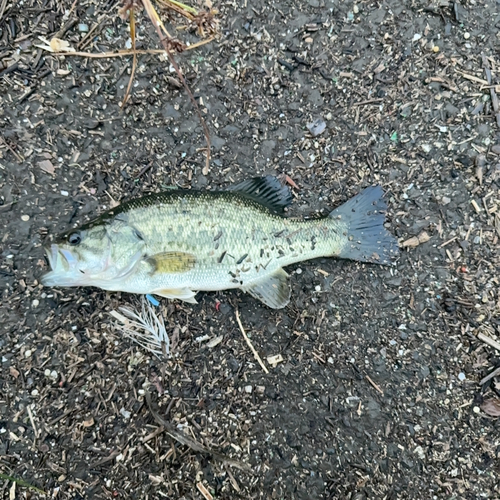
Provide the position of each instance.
(63, 267)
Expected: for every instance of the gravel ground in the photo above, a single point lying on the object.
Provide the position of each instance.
(380, 392)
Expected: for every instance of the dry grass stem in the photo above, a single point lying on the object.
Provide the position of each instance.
(252, 348)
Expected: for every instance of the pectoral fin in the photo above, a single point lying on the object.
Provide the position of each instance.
(273, 290)
(171, 262)
(185, 294)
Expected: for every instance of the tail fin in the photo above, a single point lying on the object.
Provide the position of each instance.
(368, 241)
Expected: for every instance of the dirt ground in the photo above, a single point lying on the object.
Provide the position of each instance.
(379, 392)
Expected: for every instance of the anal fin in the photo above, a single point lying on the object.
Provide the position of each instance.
(273, 290)
(185, 294)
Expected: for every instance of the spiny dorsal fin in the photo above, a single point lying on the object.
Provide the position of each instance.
(273, 290)
(172, 262)
(267, 191)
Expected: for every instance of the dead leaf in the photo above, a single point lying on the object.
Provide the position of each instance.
(491, 407)
(47, 166)
(14, 372)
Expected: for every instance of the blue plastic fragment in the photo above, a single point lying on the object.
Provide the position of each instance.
(152, 300)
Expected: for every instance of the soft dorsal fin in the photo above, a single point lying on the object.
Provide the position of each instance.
(273, 290)
(267, 191)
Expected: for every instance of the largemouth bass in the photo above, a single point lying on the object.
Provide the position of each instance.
(179, 242)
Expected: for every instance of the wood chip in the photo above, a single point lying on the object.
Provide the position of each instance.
(477, 208)
(274, 360)
(414, 241)
(47, 166)
(215, 341)
(489, 341)
(206, 494)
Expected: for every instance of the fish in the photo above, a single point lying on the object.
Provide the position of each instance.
(177, 243)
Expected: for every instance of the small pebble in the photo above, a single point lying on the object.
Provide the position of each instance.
(476, 409)
(316, 127)
(461, 376)
(248, 389)
(34, 392)
(317, 288)
(355, 9)
(435, 49)
(64, 193)
(36, 303)
(83, 27)
(27, 353)
(125, 413)
(298, 271)
(25, 218)
(466, 35)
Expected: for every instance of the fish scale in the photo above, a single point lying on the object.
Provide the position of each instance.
(177, 243)
(245, 231)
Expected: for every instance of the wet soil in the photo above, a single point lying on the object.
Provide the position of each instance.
(378, 393)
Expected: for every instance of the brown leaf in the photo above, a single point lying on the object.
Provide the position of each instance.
(491, 407)
(47, 166)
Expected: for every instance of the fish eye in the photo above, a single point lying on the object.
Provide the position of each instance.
(74, 238)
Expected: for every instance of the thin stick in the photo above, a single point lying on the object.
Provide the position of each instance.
(190, 442)
(245, 336)
(18, 157)
(134, 60)
(35, 430)
(494, 373)
(374, 385)
(130, 52)
(2, 8)
(489, 341)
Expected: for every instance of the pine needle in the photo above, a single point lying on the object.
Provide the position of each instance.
(146, 328)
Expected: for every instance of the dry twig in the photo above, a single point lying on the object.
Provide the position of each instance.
(252, 348)
(190, 442)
